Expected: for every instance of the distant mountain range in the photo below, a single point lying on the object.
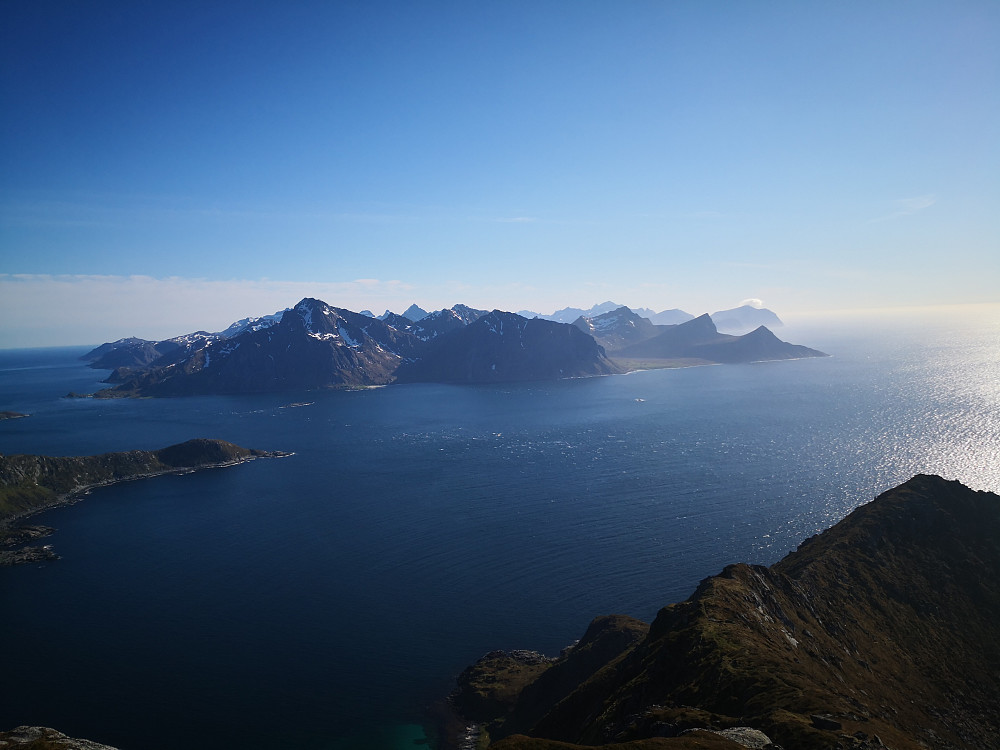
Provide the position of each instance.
(625, 335)
(738, 320)
(315, 345)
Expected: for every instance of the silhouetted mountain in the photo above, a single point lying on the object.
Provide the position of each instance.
(569, 314)
(745, 318)
(698, 341)
(671, 317)
(883, 631)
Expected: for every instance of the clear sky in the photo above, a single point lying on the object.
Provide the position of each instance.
(171, 166)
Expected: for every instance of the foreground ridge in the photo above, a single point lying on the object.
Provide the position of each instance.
(45, 738)
(880, 632)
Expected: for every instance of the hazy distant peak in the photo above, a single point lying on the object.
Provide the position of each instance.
(415, 313)
(745, 318)
(671, 317)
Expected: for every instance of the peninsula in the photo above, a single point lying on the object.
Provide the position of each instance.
(29, 484)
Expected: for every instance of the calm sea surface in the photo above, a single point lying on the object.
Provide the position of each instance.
(324, 600)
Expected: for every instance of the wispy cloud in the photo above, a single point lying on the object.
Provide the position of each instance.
(907, 207)
(51, 309)
(65, 309)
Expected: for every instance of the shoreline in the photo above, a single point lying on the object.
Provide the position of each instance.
(14, 532)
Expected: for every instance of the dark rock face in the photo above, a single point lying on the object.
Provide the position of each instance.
(504, 347)
(882, 631)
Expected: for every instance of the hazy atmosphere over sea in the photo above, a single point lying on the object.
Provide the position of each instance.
(430, 489)
(176, 166)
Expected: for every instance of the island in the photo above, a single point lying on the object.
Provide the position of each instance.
(11, 415)
(29, 483)
(881, 632)
(315, 345)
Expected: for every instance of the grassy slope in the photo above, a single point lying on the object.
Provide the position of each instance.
(888, 624)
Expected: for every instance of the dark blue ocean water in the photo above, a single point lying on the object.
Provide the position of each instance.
(325, 599)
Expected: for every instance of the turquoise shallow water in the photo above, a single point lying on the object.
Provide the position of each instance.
(324, 600)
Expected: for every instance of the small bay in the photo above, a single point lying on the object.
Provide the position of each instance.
(324, 600)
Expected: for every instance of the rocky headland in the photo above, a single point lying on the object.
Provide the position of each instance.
(881, 632)
(45, 738)
(29, 484)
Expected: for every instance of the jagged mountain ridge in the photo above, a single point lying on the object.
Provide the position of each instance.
(133, 352)
(736, 320)
(315, 345)
(883, 631)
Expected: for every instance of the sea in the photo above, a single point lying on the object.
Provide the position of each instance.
(329, 599)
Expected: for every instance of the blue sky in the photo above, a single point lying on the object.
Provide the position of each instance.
(172, 166)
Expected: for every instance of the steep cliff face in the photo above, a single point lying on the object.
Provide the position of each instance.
(882, 630)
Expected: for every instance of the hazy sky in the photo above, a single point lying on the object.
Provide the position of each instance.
(177, 165)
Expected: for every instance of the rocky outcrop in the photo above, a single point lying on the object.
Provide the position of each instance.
(44, 738)
(883, 631)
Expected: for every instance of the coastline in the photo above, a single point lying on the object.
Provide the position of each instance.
(13, 532)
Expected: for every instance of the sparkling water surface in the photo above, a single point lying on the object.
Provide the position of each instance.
(325, 599)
